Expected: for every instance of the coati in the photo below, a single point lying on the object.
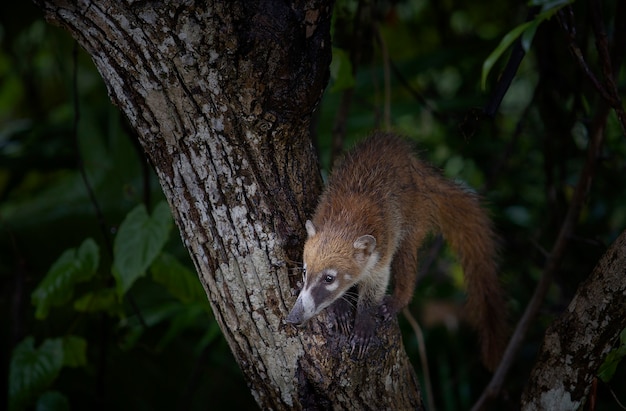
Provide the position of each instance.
(379, 205)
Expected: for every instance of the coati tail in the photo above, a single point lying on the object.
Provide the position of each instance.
(466, 227)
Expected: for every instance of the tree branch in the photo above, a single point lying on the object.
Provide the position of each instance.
(576, 344)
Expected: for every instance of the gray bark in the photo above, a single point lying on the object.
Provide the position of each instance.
(221, 95)
(576, 344)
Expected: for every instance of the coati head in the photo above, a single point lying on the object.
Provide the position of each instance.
(333, 262)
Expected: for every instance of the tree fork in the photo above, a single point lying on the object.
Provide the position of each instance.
(221, 96)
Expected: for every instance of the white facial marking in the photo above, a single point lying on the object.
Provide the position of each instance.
(308, 304)
(332, 286)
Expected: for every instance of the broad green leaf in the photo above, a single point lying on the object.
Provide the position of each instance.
(139, 240)
(526, 30)
(72, 267)
(52, 401)
(181, 282)
(504, 45)
(341, 71)
(32, 370)
(74, 351)
(102, 300)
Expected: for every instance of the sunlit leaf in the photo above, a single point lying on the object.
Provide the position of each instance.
(140, 239)
(32, 369)
(72, 267)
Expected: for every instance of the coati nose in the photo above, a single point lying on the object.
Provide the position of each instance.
(296, 316)
(294, 319)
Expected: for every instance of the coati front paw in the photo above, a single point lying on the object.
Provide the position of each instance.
(388, 308)
(343, 316)
(363, 334)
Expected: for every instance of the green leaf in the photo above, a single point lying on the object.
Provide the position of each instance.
(526, 30)
(504, 45)
(612, 360)
(139, 240)
(102, 300)
(74, 351)
(52, 401)
(181, 282)
(32, 370)
(341, 71)
(72, 267)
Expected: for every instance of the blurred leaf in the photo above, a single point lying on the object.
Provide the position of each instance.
(185, 319)
(140, 239)
(102, 300)
(72, 267)
(32, 370)
(52, 401)
(181, 282)
(212, 333)
(74, 351)
(153, 315)
(341, 71)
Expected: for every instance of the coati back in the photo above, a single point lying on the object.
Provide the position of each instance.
(380, 204)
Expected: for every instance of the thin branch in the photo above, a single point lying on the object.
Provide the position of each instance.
(417, 95)
(607, 89)
(607, 67)
(421, 344)
(567, 24)
(81, 163)
(387, 78)
(341, 117)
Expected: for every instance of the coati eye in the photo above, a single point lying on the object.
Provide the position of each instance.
(329, 278)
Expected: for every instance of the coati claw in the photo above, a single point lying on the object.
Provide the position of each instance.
(343, 316)
(362, 334)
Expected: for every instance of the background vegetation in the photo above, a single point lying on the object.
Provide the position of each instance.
(100, 304)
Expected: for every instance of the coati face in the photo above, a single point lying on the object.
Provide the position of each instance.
(332, 265)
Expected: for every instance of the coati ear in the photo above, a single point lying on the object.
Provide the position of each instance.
(310, 228)
(364, 247)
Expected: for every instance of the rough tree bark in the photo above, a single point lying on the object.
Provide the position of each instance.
(577, 342)
(221, 96)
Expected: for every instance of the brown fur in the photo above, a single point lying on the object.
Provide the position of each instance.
(382, 189)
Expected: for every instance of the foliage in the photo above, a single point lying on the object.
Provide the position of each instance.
(102, 299)
(613, 359)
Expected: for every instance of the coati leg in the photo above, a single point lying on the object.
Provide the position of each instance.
(371, 296)
(343, 309)
(364, 329)
(404, 274)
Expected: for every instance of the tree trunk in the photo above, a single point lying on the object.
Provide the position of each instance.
(576, 343)
(221, 96)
